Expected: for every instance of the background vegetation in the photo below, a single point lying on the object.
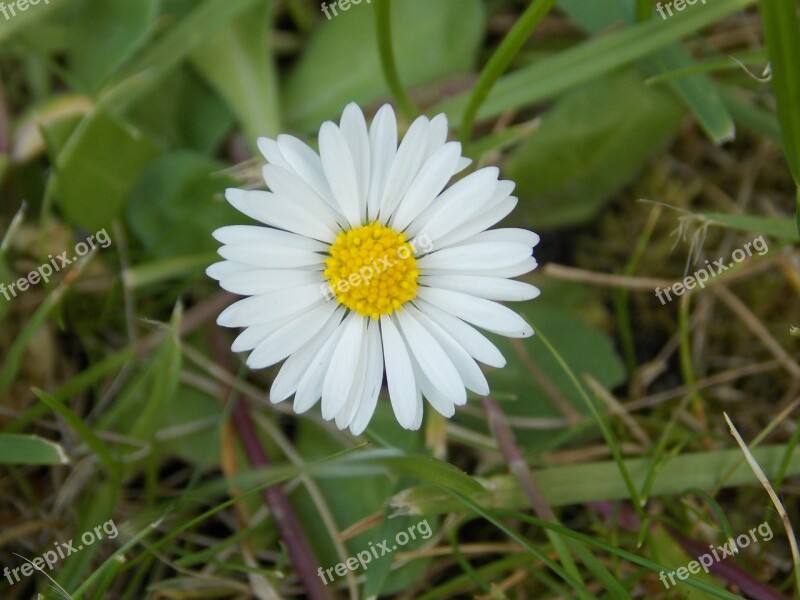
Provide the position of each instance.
(640, 146)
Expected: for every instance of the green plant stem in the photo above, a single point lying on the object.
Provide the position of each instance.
(685, 354)
(621, 296)
(500, 60)
(383, 28)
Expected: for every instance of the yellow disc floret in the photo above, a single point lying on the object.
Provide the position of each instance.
(372, 270)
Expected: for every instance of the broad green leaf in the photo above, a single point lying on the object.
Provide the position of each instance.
(590, 145)
(669, 552)
(501, 140)
(340, 63)
(585, 349)
(105, 35)
(190, 114)
(237, 63)
(149, 67)
(188, 410)
(177, 203)
(20, 449)
(97, 176)
(28, 140)
(20, 20)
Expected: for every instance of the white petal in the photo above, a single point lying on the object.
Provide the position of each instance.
(272, 257)
(267, 208)
(308, 166)
(477, 224)
(285, 383)
(526, 266)
(351, 406)
(340, 377)
(491, 288)
(464, 197)
(481, 255)
(432, 178)
(252, 282)
(290, 337)
(309, 389)
(383, 148)
(463, 163)
(443, 405)
(269, 148)
(290, 188)
(432, 359)
(507, 234)
(225, 268)
(418, 411)
(448, 210)
(372, 380)
(354, 128)
(340, 170)
(399, 374)
(255, 234)
(481, 313)
(468, 369)
(255, 334)
(437, 135)
(474, 342)
(405, 166)
(264, 308)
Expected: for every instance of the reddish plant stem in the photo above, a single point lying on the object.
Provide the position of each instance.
(300, 553)
(515, 459)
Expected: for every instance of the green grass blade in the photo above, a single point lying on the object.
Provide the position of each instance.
(83, 430)
(597, 481)
(783, 48)
(500, 60)
(550, 77)
(13, 359)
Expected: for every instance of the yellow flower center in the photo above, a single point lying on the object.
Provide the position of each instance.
(372, 270)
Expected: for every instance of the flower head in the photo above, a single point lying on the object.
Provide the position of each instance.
(368, 264)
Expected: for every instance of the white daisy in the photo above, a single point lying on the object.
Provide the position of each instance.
(367, 264)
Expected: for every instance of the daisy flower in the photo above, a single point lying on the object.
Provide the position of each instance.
(367, 265)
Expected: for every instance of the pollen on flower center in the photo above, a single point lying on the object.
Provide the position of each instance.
(372, 270)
